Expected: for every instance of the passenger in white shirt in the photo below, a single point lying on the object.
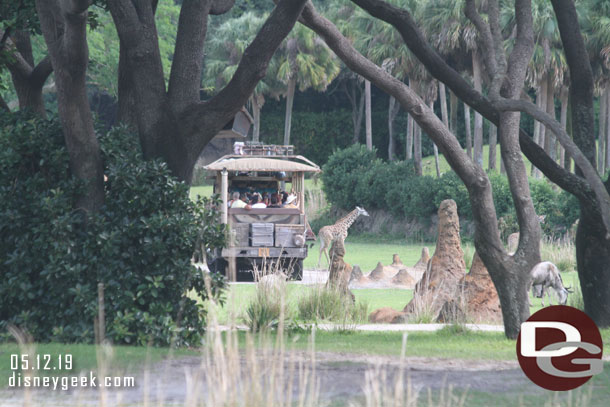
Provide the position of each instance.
(256, 202)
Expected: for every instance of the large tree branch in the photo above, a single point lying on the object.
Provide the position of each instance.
(251, 69)
(185, 76)
(41, 72)
(221, 6)
(439, 69)
(473, 176)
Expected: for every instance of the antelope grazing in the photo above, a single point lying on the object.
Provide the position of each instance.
(546, 275)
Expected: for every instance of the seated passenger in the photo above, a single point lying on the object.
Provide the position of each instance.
(239, 201)
(274, 202)
(255, 202)
(291, 202)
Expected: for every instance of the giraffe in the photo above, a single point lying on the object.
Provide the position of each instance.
(337, 231)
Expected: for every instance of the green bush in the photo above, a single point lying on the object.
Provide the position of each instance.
(138, 245)
(354, 176)
(342, 173)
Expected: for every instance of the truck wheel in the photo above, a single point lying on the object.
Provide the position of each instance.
(244, 268)
(297, 270)
(217, 265)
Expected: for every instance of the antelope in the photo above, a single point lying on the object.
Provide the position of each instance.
(546, 275)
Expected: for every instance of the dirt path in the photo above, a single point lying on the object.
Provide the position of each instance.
(340, 376)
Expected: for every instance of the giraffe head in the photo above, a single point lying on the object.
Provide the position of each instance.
(362, 211)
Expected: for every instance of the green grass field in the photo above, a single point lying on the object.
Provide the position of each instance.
(367, 253)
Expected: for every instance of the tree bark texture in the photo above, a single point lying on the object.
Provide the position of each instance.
(174, 124)
(64, 26)
(493, 141)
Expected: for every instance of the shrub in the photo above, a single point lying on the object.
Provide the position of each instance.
(325, 304)
(342, 173)
(354, 176)
(138, 245)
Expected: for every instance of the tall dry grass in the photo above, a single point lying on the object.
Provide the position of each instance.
(559, 251)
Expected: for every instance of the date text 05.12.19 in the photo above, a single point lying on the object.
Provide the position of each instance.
(41, 362)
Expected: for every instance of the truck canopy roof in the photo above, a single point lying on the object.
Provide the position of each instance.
(262, 163)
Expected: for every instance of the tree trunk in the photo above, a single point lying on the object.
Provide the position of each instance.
(256, 112)
(502, 167)
(592, 245)
(69, 56)
(417, 158)
(543, 101)
(409, 141)
(563, 97)
(453, 112)
(468, 130)
(478, 119)
(567, 165)
(549, 140)
(368, 118)
(357, 103)
(539, 103)
(393, 110)
(436, 158)
(602, 132)
(417, 150)
(292, 83)
(28, 78)
(607, 136)
(493, 139)
(126, 93)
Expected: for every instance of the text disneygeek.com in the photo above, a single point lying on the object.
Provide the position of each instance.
(17, 380)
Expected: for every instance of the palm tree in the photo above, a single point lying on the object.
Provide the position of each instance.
(304, 60)
(224, 51)
(455, 37)
(596, 23)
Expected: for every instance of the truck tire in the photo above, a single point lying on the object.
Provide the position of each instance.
(297, 270)
(217, 265)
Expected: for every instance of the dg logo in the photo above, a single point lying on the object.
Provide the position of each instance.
(560, 348)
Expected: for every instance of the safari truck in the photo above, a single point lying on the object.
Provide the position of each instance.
(262, 238)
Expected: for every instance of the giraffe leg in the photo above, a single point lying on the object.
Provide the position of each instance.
(322, 248)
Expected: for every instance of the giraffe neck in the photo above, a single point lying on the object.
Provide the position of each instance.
(347, 221)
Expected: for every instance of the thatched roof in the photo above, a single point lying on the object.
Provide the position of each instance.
(249, 163)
